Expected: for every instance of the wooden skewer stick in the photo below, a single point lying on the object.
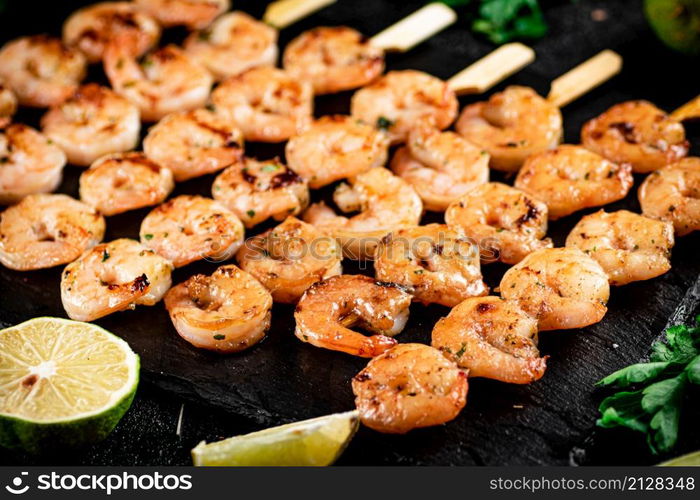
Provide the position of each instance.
(688, 111)
(584, 77)
(415, 28)
(283, 13)
(492, 68)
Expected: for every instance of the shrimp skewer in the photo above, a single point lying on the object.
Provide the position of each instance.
(562, 287)
(194, 143)
(93, 122)
(234, 43)
(194, 14)
(441, 166)
(165, 81)
(330, 307)
(226, 312)
(636, 132)
(673, 194)
(517, 123)
(492, 338)
(258, 190)
(289, 258)
(511, 126)
(40, 70)
(340, 58)
(629, 247)
(92, 28)
(29, 163)
(399, 100)
(504, 221)
(408, 387)
(189, 228)
(434, 262)
(385, 203)
(47, 230)
(267, 104)
(112, 277)
(336, 147)
(118, 183)
(571, 178)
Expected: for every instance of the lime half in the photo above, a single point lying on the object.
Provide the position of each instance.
(689, 460)
(318, 441)
(62, 383)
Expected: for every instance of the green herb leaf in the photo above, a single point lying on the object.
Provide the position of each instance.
(623, 409)
(455, 3)
(634, 374)
(655, 408)
(504, 20)
(384, 123)
(692, 371)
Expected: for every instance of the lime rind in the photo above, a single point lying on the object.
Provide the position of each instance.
(314, 442)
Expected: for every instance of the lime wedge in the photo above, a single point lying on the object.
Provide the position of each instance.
(315, 442)
(62, 384)
(689, 460)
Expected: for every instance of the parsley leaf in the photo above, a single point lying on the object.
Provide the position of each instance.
(504, 20)
(655, 407)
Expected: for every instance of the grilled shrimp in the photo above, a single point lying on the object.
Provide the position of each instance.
(629, 247)
(266, 103)
(290, 258)
(385, 203)
(257, 190)
(194, 143)
(195, 14)
(8, 106)
(112, 277)
(492, 338)
(165, 81)
(226, 312)
(673, 194)
(189, 228)
(126, 181)
(636, 132)
(92, 28)
(29, 163)
(234, 43)
(511, 126)
(441, 166)
(400, 100)
(561, 287)
(571, 178)
(502, 220)
(47, 230)
(407, 387)
(40, 71)
(93, 122)
(434, 262)
(336, 147)
(330, 307)
(333, 58)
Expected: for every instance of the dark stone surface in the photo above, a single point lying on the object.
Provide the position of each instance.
(282, 380)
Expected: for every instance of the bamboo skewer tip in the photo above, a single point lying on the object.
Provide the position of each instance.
(415, 28)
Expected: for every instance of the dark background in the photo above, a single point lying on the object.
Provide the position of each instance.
(282, 380)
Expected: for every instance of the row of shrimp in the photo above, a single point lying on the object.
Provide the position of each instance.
(299, 261)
